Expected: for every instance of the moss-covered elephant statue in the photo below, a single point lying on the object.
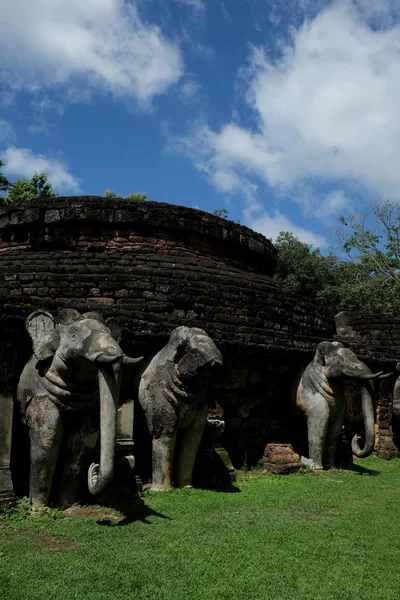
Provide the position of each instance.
(320, 397)
(173, 394)
(68, 391)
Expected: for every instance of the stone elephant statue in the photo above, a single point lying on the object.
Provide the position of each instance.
(320, 397)
(173, 395)
(396, 394)
(67, 392)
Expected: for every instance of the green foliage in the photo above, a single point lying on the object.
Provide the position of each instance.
(224, 214)
(24, 190)
(137, 196)
(18, 511)
(4, 183)
(370, 273)
(363, 275)
(221, 212)
(109, 194)
(306, 271)
(326, 535)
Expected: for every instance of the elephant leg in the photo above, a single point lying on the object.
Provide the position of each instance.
(317, 426)
(334, 429)
(163, 457)
(188, 446)
(45, 433)
(77, 459)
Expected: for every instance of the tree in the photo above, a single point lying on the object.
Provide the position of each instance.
(364, 272)
(306, 271)
(24, 190)
(370, 244)
(4, 183)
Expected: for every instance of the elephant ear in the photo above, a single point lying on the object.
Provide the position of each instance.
(40, 326)
(115, 328)
(178, 343)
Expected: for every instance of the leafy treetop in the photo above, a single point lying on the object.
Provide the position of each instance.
(363, 274)
(24, 190)
(134, 196)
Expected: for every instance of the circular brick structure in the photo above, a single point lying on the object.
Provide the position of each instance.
(155, 266)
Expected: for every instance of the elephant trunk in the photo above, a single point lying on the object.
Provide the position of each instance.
(369, 424)
(100, 476)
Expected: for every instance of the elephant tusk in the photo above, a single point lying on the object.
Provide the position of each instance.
(127, 360)
(371, 375)
(56, 379)
(386, 375)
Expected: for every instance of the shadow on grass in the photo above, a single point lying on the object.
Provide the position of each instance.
(225, 487)
(363, 471)
(133, 509)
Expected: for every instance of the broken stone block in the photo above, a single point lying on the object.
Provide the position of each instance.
(281, 459)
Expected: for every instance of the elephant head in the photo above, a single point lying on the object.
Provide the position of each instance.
(332, 364)
(195, 355)
(79, 357)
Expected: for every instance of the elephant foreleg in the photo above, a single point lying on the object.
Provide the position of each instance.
(188, 446)
(45, 433)
(163, 456)
(78, 456)
(334, 429)
(317, 426)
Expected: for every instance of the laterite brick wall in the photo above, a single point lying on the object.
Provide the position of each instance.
(155, 266)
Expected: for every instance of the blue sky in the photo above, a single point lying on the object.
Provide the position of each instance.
(287, 114)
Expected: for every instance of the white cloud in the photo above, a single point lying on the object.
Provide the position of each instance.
(6, 98)
(7, 133)
(219, 166)
(41, 108)
(385, 12)
(189, 89)
(332, 109)
(327, 110)
(22, 162)
(102, 44)
(225, 180)
(331, 204)
(196, 4)
(272, 225)
(191, 94)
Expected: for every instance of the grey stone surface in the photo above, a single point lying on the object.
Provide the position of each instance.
(68, 390)
(320, 397)
(6, 417)
(125, 422)
(173, 394)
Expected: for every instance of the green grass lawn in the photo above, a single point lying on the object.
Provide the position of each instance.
(308, 536)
